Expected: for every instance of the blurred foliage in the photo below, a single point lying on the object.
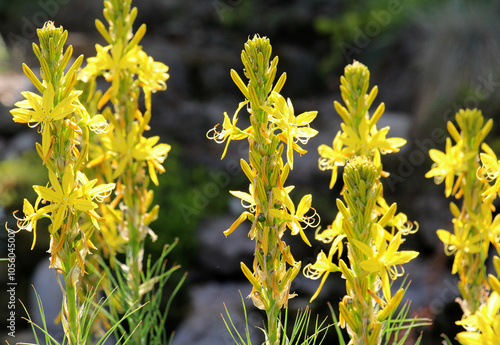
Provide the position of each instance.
(17, 176)
(183, 204)
(358, 23)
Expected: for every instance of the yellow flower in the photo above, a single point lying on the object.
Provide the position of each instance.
(134, 147)
(41, 110)
(385, 261)
(31, 217)
(447, 164)
(491, 168)
(146, 150)
(332, 231)
(363, 140)
(294, 218)
(109, 62)
(293, 128)
(332, 157)
(367, 140)
(152, 76)
(483, 326)
(462, 243)
(229, 130)
(324, 265)
(68, 196)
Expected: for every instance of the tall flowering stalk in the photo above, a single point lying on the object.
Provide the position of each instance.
(370, 229)
(131, 160)
(474, 227)
(69, 197)
(269, 206)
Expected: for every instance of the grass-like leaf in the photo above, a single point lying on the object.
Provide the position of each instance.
(298, 335)
(151, 318)
(90, 311)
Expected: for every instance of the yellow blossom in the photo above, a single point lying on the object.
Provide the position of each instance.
(324, 265)
(293, 128)
(448, 164)
(491, 168)
(41, 110)
(486, 320)
(66, 197)
(229, 130)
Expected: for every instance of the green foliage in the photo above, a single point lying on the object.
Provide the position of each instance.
(154, 281)
(89, 312)
(17, 176)
(297, 336)
(358, 23)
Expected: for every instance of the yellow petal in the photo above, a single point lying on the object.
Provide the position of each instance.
(236, 223)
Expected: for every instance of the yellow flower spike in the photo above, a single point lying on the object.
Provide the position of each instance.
(270, 208)
(494, 283)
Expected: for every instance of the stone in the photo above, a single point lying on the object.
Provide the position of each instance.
(222, 255)
(204, 323)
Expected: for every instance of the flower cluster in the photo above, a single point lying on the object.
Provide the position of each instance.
(268, 204)
(370, 229)
(359, 135)
(65, 126)
(125, 156)
(474, 226)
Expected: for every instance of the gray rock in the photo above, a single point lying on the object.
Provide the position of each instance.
(220, 255)
(45, 283)
(21, 142)
(205, 326)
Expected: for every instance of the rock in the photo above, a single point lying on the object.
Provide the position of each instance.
(400, 124)
(204, 325)
(45, 283)
(21, 142)
(220, 255)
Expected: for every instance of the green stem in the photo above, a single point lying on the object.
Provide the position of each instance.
(71, 307)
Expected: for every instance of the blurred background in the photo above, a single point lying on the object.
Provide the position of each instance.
(428, 58)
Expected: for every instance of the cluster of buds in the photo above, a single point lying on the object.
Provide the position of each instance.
(474, 227)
